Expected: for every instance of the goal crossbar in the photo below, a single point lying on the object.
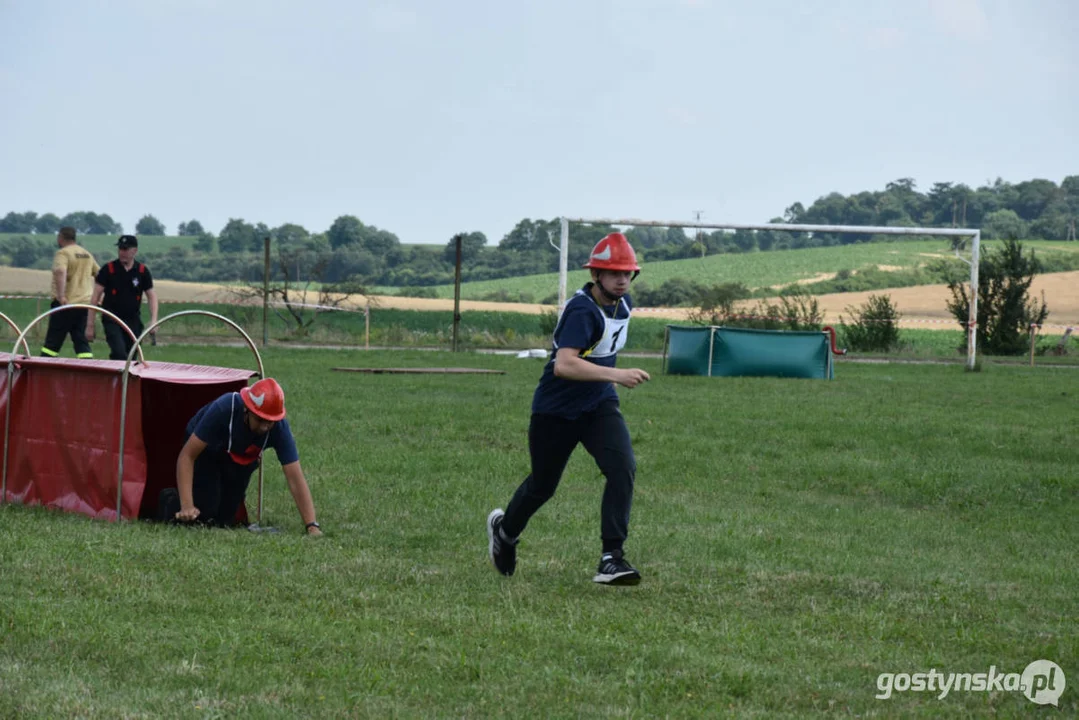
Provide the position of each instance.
(973, 234)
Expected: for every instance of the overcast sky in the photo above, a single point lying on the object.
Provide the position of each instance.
(429, 117)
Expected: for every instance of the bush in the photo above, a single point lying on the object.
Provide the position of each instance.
(874, 326)
(1005, 310)
(548, 320)
(676, 292)
(27, 252)
(796, 310)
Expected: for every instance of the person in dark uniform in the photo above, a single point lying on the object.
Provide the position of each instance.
(576, 403)
(119, 288)
(225, 442)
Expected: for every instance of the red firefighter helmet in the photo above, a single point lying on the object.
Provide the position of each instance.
(266, 399)
(613, 253)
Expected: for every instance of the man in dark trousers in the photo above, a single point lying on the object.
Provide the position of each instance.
(73, 269)
(574, 404)
(225, 442)
(119, 288)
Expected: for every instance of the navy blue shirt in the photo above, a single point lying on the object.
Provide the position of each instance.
(221, 426)
(599, 332)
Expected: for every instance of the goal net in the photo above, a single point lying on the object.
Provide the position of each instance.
(968, 233)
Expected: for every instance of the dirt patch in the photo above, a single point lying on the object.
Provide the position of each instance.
(819, 277)
(926, 305)
(21, 281)
(921, 306)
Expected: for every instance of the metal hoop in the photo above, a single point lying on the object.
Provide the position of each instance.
(13, 326)
(11, 371)
(123, 396)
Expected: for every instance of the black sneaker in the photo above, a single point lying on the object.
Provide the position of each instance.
(168, 504)
(502, 550)
(614, 570)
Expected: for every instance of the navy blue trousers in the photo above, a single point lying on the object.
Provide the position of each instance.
(218, 488)
(551, 441)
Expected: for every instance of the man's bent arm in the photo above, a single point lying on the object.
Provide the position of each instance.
(185, 475)
(569, 366)
(95, 300)
(151, 297)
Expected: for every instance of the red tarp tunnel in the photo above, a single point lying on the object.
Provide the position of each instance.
(63, 449)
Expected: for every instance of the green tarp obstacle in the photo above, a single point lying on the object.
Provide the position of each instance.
(739, 352)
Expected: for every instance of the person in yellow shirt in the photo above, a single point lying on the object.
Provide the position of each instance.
(73, 271)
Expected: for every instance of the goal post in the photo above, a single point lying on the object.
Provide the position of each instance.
(970, 233)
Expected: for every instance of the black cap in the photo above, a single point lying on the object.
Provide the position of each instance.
(127, 241)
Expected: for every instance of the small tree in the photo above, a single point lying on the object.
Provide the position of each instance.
(204, 243)
(1005, 310)
(237, 236)
(874, 325)
(471, 246)
(299, 303)
(47, 224)
(1003, 225)
(149, 225)
(346, 230)
(191, 228)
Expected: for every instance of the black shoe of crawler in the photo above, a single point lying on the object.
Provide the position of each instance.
(168, 504)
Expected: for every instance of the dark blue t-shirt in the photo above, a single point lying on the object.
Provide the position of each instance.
(599, 332)
(221, 426)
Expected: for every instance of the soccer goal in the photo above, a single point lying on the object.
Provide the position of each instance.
(970, 233)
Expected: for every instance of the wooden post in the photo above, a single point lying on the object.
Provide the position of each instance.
(265, 291)
(367, 325)
(457, 290)
(1033, 335)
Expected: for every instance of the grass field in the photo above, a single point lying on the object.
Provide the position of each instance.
(391, 327)
(755, 270)
(797, 539)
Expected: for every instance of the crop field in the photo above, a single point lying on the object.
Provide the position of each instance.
(491, 329)
(797, 539)
(757, 270)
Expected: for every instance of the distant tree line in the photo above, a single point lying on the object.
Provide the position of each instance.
(350, 249)
(88, 223)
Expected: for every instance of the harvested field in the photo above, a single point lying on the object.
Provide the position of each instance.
(922, 306)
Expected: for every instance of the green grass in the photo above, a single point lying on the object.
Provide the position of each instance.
(797, 539)
(103, 243)
(754, 270)
(478, 329)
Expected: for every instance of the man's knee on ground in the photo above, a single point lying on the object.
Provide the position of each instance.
(168, 504)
